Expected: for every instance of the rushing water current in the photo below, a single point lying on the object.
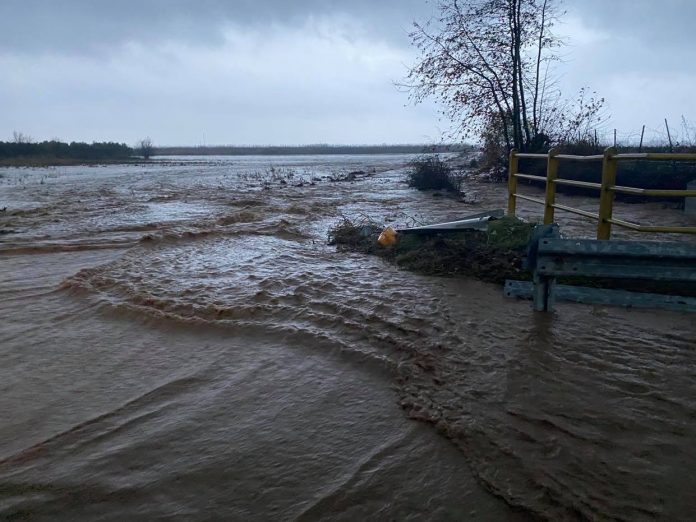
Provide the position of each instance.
(179, 341)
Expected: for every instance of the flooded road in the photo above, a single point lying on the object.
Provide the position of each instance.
(178, 341)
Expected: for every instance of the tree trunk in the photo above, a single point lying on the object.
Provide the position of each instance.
(514, 57)
(519, 72)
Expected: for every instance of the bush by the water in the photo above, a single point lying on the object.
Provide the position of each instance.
(431, 173)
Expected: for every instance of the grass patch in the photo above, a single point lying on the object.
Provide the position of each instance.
(509, 233)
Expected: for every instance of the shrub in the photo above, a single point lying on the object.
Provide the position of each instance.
(431, 173)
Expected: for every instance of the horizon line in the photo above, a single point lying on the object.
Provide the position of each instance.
(325, 145)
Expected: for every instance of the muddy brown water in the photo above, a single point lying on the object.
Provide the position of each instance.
(178, 341)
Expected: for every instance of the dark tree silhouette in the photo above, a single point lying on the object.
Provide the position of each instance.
(20, 137)
(145, 147)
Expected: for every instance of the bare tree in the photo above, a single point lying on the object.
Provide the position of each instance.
(20, 137)
(489, 63)
(145, 147)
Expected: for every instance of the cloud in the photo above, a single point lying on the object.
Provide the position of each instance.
(94, 27)
(663, 25)
(324, 80)
(278, 71)
(637, 54)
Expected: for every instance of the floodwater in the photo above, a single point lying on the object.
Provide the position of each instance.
(178, 341)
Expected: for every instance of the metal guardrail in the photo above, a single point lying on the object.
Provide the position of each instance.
(607, 188)
(549, 257)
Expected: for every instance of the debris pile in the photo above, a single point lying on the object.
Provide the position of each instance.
(492, 255)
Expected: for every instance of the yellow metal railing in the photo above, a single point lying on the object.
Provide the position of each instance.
(607, 188)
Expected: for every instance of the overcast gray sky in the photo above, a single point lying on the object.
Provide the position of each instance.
(301, 71)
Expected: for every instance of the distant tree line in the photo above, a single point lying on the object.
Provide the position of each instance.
(288, 150)
(24, 148)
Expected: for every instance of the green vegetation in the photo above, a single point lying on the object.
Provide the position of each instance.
(23, 151)
(509, 233)
(493, 256)
(431, 173)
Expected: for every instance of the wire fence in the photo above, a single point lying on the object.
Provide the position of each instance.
(665, 134)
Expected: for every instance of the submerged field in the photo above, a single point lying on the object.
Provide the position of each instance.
(183, 332)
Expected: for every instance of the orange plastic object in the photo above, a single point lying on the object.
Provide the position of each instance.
(387, 237)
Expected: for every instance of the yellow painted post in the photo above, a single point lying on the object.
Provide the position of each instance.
(551, 175)
(512, 182)
(606, 196)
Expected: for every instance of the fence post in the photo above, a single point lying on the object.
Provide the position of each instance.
(512, 182)
(606, 196)
(551, 175)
